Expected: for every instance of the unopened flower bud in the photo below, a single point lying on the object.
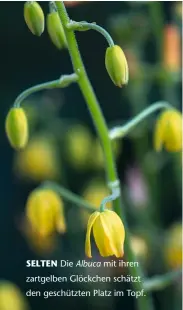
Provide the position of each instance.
(116, 65)
(34, 17)
(55, 30)
(17, 128)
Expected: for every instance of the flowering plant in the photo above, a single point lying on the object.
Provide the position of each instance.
(44, 210)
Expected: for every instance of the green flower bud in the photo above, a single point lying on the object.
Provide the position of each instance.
(34, 17)
(116, 65)
(17, 128)
(55, 30)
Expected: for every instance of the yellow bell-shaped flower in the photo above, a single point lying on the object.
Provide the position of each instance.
(38, 161)
(44, 212)
(41, 245)
(168, 131)
(109, 234)
(11, 298)
(173, 246)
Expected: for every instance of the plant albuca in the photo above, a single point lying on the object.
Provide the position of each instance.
(44, 208)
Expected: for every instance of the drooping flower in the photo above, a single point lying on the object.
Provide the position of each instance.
(11, 297)
(173, 246)
(168, 131)
(109, 234)
(44, 212)
(38, 161)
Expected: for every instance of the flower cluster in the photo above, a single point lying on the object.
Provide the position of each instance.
(44, 207)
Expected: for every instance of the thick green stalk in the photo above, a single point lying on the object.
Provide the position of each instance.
(88, 93)
(85, 86)
(91, 100)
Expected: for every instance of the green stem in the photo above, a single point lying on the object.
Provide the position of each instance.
(82, 26)
(102, 130)
(52, 7)
(68, 195)
(122, 131)
(63, 81)
(115, 194)
(88, 93)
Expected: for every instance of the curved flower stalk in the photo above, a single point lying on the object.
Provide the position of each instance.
(16, 121)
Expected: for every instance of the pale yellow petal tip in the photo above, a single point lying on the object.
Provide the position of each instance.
(91, 222)
(61, 226)
(158, 148)
(88, 255)
(120, 254)
(158, 142)
(88, 248)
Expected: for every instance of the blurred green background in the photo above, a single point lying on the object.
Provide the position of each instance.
(63, 145)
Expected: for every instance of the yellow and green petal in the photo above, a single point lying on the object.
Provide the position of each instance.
(116, 232)
(159, 135)
(173, 140)
(91, 222)
(102, 237)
